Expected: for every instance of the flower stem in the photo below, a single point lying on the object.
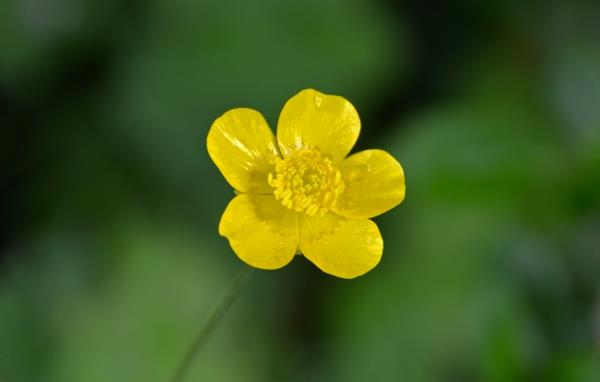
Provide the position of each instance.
(211, 323)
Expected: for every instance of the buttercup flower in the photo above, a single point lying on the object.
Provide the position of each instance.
(299, 193)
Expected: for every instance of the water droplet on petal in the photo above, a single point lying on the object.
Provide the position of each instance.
(318, 100)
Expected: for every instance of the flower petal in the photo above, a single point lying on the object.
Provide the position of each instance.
(340, 247)
(261, 232)
(243, 147)
(311, 119)
(374, 184)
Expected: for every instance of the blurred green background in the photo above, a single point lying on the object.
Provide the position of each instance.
(110, 257)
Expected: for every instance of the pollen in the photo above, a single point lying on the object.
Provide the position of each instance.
(307, 182)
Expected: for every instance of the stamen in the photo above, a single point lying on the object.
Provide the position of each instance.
(307, 182)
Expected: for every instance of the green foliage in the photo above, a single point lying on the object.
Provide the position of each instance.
(490, 269)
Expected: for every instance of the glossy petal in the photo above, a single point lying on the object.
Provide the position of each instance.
(340, 247)
(262, 232)
(243, 147)
(311, 119)
(374, 184)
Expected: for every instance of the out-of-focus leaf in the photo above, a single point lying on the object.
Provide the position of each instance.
(433, 304)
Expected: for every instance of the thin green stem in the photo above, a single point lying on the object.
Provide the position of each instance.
(211, 323)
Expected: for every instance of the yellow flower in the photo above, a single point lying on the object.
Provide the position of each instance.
(299, 193)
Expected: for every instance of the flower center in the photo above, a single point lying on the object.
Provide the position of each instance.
(307, 182)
